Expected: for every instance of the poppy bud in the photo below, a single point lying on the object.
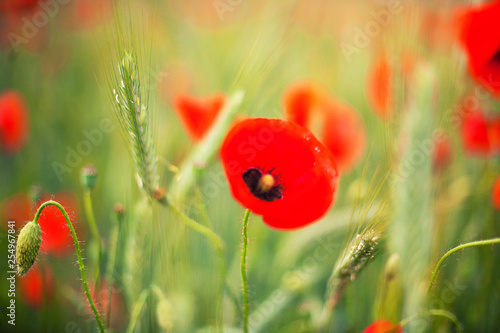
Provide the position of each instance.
(119, 211)
(88, 177)
(28, 245)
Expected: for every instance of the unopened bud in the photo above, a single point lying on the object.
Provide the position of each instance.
(88, 177)
(28, 245)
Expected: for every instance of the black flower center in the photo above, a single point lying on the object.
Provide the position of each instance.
(262, 186)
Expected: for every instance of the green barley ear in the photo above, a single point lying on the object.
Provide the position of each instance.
(362, 249)
(88, 177)
(133, 117)
(28, 246)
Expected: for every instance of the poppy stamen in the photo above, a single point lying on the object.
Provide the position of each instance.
(262, 186)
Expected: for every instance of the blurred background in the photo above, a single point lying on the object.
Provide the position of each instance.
(56, 117)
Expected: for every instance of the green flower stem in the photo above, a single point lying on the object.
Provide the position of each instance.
(456, 249)
(110, 269)
(243, 269)
(78, 254)
(136, 312)
(448, 315)
(89, 213)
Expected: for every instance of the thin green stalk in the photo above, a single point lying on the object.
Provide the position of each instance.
(243, 269)
(136, 312)
(448, 315)
(110, 270)
(89, 213)
(456, 249)
(78, 254)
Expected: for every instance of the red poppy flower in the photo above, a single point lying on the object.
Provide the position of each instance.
(56, 236)
(13, 121)
(198, 114)
(300, 100)
(475, 137)
(17, 4)
(383, 326)
(279, 170)
(16, 208)
(31, 286)
(477, 34)
(379, 87)
(495, 194)
(442, 154)
(344, 134)
(494, 135)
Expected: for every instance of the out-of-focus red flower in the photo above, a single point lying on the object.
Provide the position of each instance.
(442, 154)
(477, 27)
(495, 194)
(101, 300)
(379, 87)
(6, 5)
(87, 14)
(197, 114)
(300, 99)
(31, 286)
(494, 135)
(344, 134)
(383, 326)
(56, 236)
(279, 170)
(475, 137)
(14, 121)
(16, 208)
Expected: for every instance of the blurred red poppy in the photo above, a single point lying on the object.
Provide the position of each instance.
(379, 87)
(495, 194)
(31, 286)
(477, 27)
(16, 4)
(475, 137)
(197, 114)
(344, 134)
(300, 99)
(14, 121)
(442, 154)
(16, 208)
(383, 326)
(279, 170)
(56, 236)
(101, 300)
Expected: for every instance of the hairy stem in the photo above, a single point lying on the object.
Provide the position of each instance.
(243, 269)
(456, 249)
(78, 254)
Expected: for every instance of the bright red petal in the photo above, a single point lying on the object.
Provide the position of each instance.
(475, 135)
(13, 121)
(477, 26)
(495, 194)
(383, 326)
(198, 114)
(306, 169)
(300, 99)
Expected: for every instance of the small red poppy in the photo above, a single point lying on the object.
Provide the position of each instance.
(198, 114)
(279, 170)
(31, 286)
(495, 194)
(383, 326)
(56, 236)
(344, 134)
(477, 27)
(475, 137)
(13, 121)
(300, 100)
(494, 135)
(442, 154)
(379, 87)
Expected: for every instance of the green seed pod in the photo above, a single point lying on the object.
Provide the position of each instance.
(28, 245)
(88, 177)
